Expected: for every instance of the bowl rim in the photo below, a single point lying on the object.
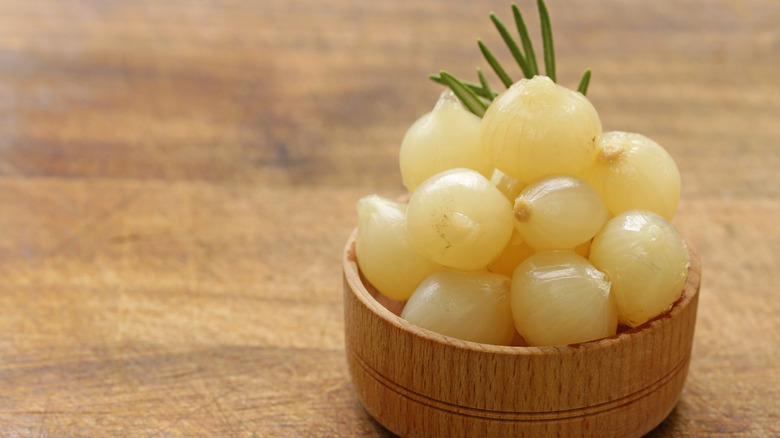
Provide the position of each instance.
(355, 279)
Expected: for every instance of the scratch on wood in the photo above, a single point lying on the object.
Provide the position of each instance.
(190, 413)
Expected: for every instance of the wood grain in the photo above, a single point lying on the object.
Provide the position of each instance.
(419, 383)
(177, 181)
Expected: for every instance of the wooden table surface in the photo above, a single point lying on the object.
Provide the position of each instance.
(177, 181)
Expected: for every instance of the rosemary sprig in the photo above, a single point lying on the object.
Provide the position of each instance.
(477, 97)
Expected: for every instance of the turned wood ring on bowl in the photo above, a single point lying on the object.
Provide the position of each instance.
(418, 383)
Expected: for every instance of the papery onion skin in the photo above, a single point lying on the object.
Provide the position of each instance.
(560, 298)
(631, 171)
(537, 127)
(458, 219)
(446, 138)
(471, 306)
(383, 251)
(647, 261)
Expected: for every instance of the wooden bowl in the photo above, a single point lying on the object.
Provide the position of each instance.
(418, 383)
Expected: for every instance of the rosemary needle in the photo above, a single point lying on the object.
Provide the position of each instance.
(547, 40)
(490, 94)
(478, 89)
(495, 64)
(512, 45)
(528, 47)
(467, 96)
(584, 81)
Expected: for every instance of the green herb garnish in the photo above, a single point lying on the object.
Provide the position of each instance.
(477, 97)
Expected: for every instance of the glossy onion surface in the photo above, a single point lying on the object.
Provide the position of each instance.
(383, 251)
(445, 138)
(509, 186)
(459, 219)
(472, 306)
(513, 254)
(537, 128)
(559, 212)
(560, 298)
(646, 260)
(632, 171)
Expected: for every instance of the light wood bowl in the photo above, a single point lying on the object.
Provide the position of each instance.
(418, 383)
